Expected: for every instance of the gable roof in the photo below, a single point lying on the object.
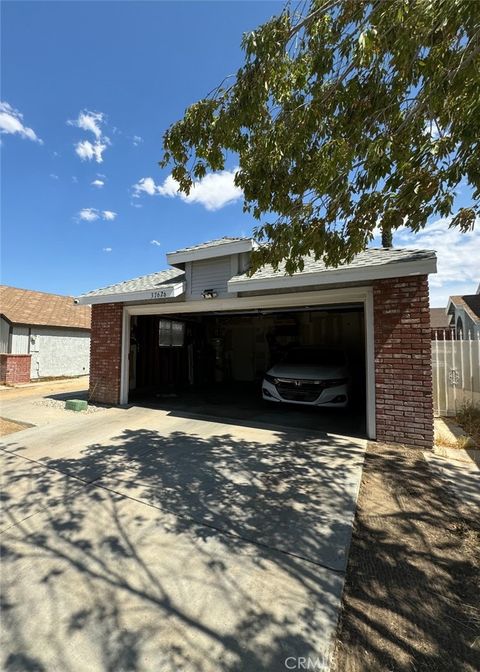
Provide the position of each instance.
(372, 263)
(470, 304)
(25, 306)
(368, 265)
(212, 248)
(212, 243)
(439, 318)
(162, 279)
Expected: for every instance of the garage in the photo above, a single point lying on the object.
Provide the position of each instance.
(216, 364)
(206, 336)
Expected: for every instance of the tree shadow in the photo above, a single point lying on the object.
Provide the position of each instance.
(411, 596)
(185, 551)
(189, 552)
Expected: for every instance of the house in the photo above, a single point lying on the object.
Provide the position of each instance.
(205, 321)
(440, 324)
(42, 336)
(464, 315)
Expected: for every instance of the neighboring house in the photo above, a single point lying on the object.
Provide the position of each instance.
(42, 335)
(464, 315)
(206, 320)
(440, 324)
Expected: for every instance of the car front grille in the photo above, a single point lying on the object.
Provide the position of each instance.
(299, 390)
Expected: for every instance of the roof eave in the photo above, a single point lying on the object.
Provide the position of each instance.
(222, 250)
(337, 275)
(172, 290)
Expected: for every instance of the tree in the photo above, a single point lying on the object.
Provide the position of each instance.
(346, 116)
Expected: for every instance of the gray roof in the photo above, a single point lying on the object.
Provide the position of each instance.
(168, 277)
(370, 257)
(211, 243)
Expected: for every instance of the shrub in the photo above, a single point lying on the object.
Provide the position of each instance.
(468, 417)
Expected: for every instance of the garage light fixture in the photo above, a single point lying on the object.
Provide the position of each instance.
(209, 294)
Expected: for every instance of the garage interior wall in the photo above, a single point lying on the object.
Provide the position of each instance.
(238, 348)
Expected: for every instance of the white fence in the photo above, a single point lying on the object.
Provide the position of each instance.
(456, 374)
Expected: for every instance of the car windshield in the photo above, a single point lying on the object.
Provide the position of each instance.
(315, 357)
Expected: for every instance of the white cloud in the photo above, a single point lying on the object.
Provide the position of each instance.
(97, 183)
(458, 268)
(89, 121)
(155, 242)
(214, 191)
(92, 214)
(137, 140)
(145, 185)
(53, 176)
(106, 249)
(89, 214)
(11, 122)
(88, 151)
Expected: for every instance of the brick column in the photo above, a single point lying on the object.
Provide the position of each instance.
(403, 361)
(106, 352)
(15, 369)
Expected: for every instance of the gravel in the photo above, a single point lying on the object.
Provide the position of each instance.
(57, 403)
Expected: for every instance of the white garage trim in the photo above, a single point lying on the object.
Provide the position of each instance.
(363, 295)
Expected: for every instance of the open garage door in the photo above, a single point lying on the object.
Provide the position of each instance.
(218, 363)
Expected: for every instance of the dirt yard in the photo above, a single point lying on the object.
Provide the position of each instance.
(411, 595)
(9, 427)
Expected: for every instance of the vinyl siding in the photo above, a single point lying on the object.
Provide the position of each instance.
(210, 274)
(20, 340)
(4, 333)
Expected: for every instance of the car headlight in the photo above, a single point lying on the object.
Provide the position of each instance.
(271, 379)
(335, 382)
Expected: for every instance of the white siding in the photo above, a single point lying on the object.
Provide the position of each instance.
(211, 274)
(4, 332)
(59, 352)
(20, 340)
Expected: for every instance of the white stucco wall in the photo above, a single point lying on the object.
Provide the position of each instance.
(59, 352)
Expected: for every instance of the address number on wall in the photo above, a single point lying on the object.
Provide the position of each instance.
(159, 295)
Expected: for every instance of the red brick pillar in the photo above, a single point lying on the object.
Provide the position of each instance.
(106, 352)
(403, 361)
(15, 369)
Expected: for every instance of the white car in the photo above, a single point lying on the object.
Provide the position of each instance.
(312, 376)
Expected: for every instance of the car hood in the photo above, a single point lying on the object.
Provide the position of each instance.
(306, 372)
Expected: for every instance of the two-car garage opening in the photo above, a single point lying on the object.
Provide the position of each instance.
(216, 363)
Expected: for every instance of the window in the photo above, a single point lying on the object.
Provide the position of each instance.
(170, 334)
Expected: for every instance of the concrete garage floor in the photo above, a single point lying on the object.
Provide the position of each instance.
(138, 540)
(244, 402)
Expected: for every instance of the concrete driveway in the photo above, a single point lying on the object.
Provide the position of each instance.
(137, 540)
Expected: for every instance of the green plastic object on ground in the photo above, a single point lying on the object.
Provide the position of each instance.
(76, 405)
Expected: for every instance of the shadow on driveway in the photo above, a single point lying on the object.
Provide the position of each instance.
(177, 551)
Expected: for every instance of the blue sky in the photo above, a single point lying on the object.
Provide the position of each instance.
(88, 89)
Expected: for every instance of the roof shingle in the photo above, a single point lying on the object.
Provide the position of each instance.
(370, 257)
(143, 282)
(210, 243)
(439, 319)
(25, 306)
